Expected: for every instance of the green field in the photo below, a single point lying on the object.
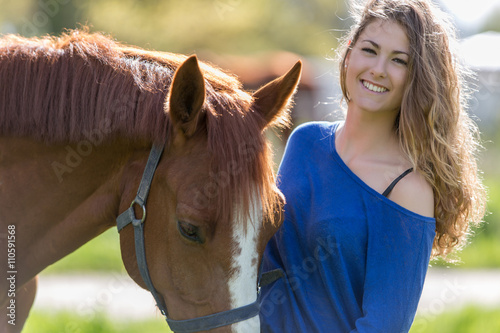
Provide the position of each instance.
(467, 320)
(102, 254)
(67, 322)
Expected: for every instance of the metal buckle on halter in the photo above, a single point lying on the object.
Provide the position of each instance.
(135, 221)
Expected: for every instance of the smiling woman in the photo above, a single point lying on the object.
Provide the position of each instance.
(384, 190)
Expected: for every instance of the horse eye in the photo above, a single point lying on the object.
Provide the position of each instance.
(190, 232)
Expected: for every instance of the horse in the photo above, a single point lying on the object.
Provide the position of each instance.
(79, 114)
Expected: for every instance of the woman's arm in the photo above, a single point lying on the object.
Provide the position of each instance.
(398, 255)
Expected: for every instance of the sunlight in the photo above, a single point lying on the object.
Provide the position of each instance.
(471, 12)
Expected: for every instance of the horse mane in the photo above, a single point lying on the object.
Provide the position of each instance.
(65, 88)
(69, 88)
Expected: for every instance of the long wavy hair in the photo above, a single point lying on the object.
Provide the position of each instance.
(434, 129)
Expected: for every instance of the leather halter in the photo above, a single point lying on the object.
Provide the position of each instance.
(189, 325)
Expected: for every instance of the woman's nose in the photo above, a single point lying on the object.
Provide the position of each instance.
(379, 68)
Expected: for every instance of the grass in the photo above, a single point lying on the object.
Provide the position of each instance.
(102, 254)
(66, 322)
(467, 320)
(483, 253)
(471, 319)
(483, 250)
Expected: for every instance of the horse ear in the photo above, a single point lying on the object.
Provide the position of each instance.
(187, 95)
(274, 99)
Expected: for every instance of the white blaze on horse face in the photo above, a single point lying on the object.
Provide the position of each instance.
(243, 283)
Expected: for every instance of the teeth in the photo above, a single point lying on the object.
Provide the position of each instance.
(371, 87)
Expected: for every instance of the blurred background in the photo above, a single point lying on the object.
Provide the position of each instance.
(258, 40)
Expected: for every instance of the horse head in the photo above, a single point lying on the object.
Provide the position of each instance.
(213, 204)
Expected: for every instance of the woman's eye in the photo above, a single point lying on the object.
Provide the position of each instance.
(368, 50)
(190, 232)
(401, 61)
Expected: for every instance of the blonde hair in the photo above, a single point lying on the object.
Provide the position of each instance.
(434, 130)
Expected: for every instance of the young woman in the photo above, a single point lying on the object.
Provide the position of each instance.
(370, 200)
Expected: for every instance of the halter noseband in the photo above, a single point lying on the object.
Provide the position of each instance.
(189, 325)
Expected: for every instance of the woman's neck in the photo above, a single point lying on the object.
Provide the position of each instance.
(367, 134)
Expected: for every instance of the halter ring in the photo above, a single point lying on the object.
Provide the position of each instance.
(136, 221)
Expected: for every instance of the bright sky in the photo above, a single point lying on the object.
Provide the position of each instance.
(480, 51)
(471, 12)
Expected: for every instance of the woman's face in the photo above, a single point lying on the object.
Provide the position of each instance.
(377, 68)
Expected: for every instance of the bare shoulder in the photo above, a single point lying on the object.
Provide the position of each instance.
(414, 193)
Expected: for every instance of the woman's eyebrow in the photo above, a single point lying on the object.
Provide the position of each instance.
(375, 45)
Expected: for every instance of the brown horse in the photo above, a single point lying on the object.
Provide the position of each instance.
(78, 116)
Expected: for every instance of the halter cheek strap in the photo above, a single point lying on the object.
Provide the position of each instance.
(128, 217)
(189, 325)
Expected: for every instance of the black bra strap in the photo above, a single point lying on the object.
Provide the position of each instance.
(389, 189)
